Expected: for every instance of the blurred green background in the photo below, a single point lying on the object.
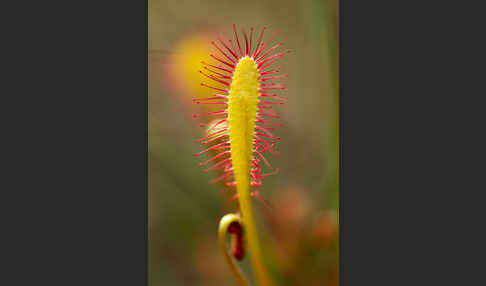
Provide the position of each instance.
(300, 233)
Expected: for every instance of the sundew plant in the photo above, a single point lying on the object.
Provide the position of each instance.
(246, 86)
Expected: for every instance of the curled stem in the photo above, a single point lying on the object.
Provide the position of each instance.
(228, 224)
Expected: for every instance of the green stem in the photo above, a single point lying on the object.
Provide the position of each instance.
(251, 236)
(224, 223)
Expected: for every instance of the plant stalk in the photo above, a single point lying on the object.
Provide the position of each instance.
(251, 236)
